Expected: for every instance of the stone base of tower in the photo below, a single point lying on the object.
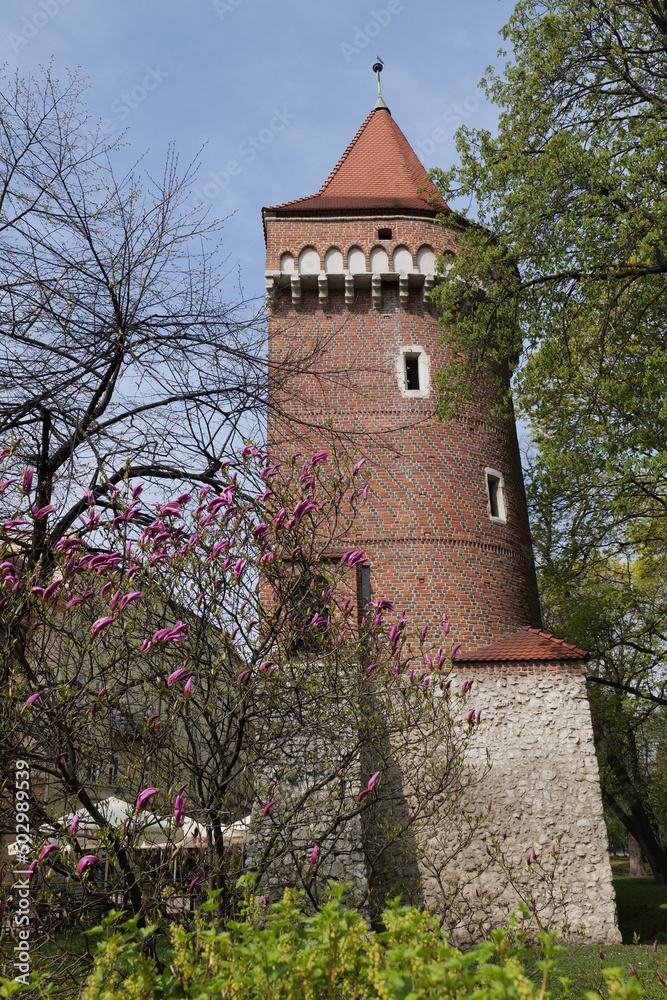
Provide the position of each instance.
(544, 789)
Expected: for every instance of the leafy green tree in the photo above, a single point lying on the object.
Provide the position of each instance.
(566, 260)
(612, 606)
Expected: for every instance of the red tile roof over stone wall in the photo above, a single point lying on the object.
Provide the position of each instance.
(379, 170)
(527, 644)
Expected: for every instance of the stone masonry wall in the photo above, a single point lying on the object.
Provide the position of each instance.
(544, 785)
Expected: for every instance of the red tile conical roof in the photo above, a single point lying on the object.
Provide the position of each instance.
(379, 170)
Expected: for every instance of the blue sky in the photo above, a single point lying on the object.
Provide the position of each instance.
(270, 93)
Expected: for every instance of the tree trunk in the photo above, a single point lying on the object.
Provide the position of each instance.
(636, 822)
(637, 861)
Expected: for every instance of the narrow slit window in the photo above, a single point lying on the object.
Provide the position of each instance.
(494, 489)
(496, 493)
(384, 234)
(412, 372)
(363, 590)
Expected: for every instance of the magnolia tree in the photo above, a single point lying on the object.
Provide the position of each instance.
(205, 659)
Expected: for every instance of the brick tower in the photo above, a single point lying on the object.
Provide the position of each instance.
(348, 276)
(350, 269)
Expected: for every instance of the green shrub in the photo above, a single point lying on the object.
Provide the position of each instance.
(285, 954)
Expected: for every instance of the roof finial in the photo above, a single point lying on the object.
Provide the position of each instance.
(377, 68)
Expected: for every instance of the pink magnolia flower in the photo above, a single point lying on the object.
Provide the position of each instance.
(445, 623)
(87, 861)
(33, 698)
(193, 883)
(179, 810)
(45, 851)
(26, 482)
(455, 649)
(373, 779)
(358, 465)
(314, 855)
(187, 689)
(101, 623)
(176, 676)
(353, 557)
(143, 797)
(74, 825)
(40, 513)
(239, 566)
(134, 595)
(268, 806)
(59, 756)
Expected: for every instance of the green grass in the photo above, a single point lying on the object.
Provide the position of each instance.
(582, 966)
(642, 918)
(642, 909)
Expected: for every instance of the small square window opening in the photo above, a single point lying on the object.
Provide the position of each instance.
(412, 372)
(384, 234)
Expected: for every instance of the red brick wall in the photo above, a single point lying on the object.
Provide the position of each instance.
(426, 528)
(291, 235)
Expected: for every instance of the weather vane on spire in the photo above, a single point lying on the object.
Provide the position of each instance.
(377, 68)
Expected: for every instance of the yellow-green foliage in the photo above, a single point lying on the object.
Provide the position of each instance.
(288, 955)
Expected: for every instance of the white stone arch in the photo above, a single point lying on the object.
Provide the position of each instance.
(333, 261)
(426, 260)
(287, 263)
(403, 262)
(309, 261)
(356, 260)
(379, 260)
